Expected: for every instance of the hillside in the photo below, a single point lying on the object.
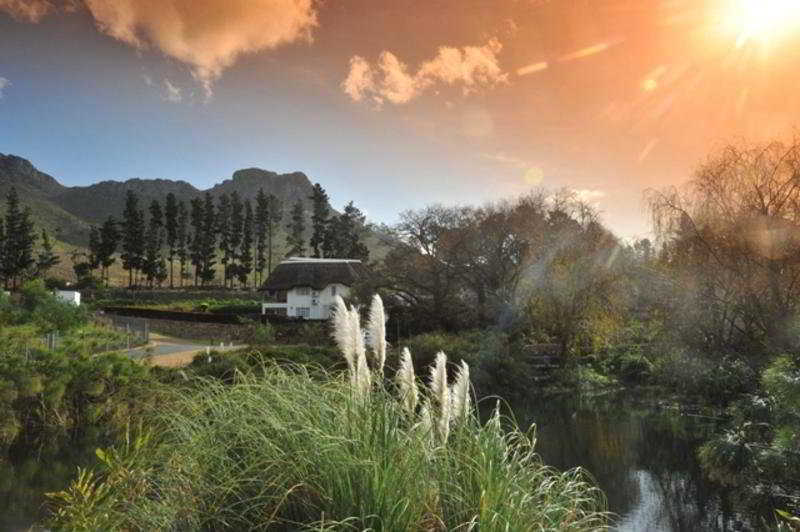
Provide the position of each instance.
(68, 212)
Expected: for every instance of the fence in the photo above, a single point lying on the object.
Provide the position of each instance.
(137, 330)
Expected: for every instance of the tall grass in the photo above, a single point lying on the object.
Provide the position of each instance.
(297, 449)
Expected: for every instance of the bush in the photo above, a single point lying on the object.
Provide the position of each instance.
(291, 450)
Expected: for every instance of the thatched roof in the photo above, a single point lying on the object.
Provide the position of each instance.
(316, 273)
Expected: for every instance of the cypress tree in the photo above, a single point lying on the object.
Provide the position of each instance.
(319, 218)
(94, 248)
(208, 240)
(260, 230)
(47, 257)
(245, 265)
(181, 239)
(155, 242)
(171, 226)
(19, 240)
(295, 240)
(236, 227)
(109, 240)
(132, 236)
(194, 244)
(274, 217)
(224, 229)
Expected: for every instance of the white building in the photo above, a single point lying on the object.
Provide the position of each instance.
(69, 296)
(301, 287)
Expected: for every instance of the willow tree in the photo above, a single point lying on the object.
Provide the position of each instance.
(731, 238)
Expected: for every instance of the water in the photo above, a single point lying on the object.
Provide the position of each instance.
(27, 474)
(643, 457)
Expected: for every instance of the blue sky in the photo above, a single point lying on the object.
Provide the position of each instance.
(472, 101)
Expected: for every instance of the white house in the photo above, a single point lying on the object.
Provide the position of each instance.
(69, 296)
(301, 287)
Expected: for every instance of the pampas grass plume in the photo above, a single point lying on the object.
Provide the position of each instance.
(460, 394)
(440, 393)
(376, 329)
(407, 382)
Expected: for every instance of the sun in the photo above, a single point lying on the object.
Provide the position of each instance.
(762, 20)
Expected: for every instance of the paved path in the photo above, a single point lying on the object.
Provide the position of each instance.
(173, 352)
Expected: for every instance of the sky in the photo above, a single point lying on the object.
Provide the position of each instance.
(399, 104)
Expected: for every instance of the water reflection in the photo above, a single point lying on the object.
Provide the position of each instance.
(27, 473)
(642, 456)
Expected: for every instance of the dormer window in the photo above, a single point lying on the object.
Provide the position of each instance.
(303, 290)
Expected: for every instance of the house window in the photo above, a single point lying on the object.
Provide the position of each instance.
(303, 312)
(303, 290)
(333, 289)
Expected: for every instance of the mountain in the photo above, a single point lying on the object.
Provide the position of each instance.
(38, 190)
(68, 212)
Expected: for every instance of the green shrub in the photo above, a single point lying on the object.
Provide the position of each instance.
(292, 450)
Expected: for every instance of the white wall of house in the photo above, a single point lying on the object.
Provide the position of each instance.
(69, 296)
(304, 301)
(308, 303)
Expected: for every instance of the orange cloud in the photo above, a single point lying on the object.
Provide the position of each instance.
(208, 35)
(388, 79)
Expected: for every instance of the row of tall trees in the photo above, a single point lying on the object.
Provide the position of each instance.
(18, 257)
(190, 242)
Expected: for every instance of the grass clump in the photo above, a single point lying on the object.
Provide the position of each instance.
(290, 448)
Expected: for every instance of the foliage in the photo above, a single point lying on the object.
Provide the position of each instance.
(294, 450)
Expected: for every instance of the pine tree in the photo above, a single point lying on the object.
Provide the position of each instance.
(237, 226)
(319, 218)
(296, 227)
(224, 229)
(182, 235)
(208, 239)
(260, 231)
(47, 257)
(155, 242)
(194, 244)
(171, 226)
(93, 258)
(246, 251)
(133, 233)
(109, 240)
(343, 238)
(19, 240)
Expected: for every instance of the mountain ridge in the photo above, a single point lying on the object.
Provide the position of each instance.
(68, 212)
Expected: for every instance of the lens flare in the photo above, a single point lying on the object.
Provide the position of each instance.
(762, 20)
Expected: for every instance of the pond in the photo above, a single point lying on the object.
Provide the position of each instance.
(641, 454)
(27, 474)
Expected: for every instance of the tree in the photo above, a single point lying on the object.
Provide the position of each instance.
(133, 236)
(154, 265)
(320, 211)
(237, 227)
(343, 234)
(47, 258)
(182, 235)
(207, 240)
(295, 240)
(731, 242)
(274, 217)
(109, 240)
(223, 227)
(245, 265)
(19, 240)
(171, 226)
(94, 249)
(195, 243)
